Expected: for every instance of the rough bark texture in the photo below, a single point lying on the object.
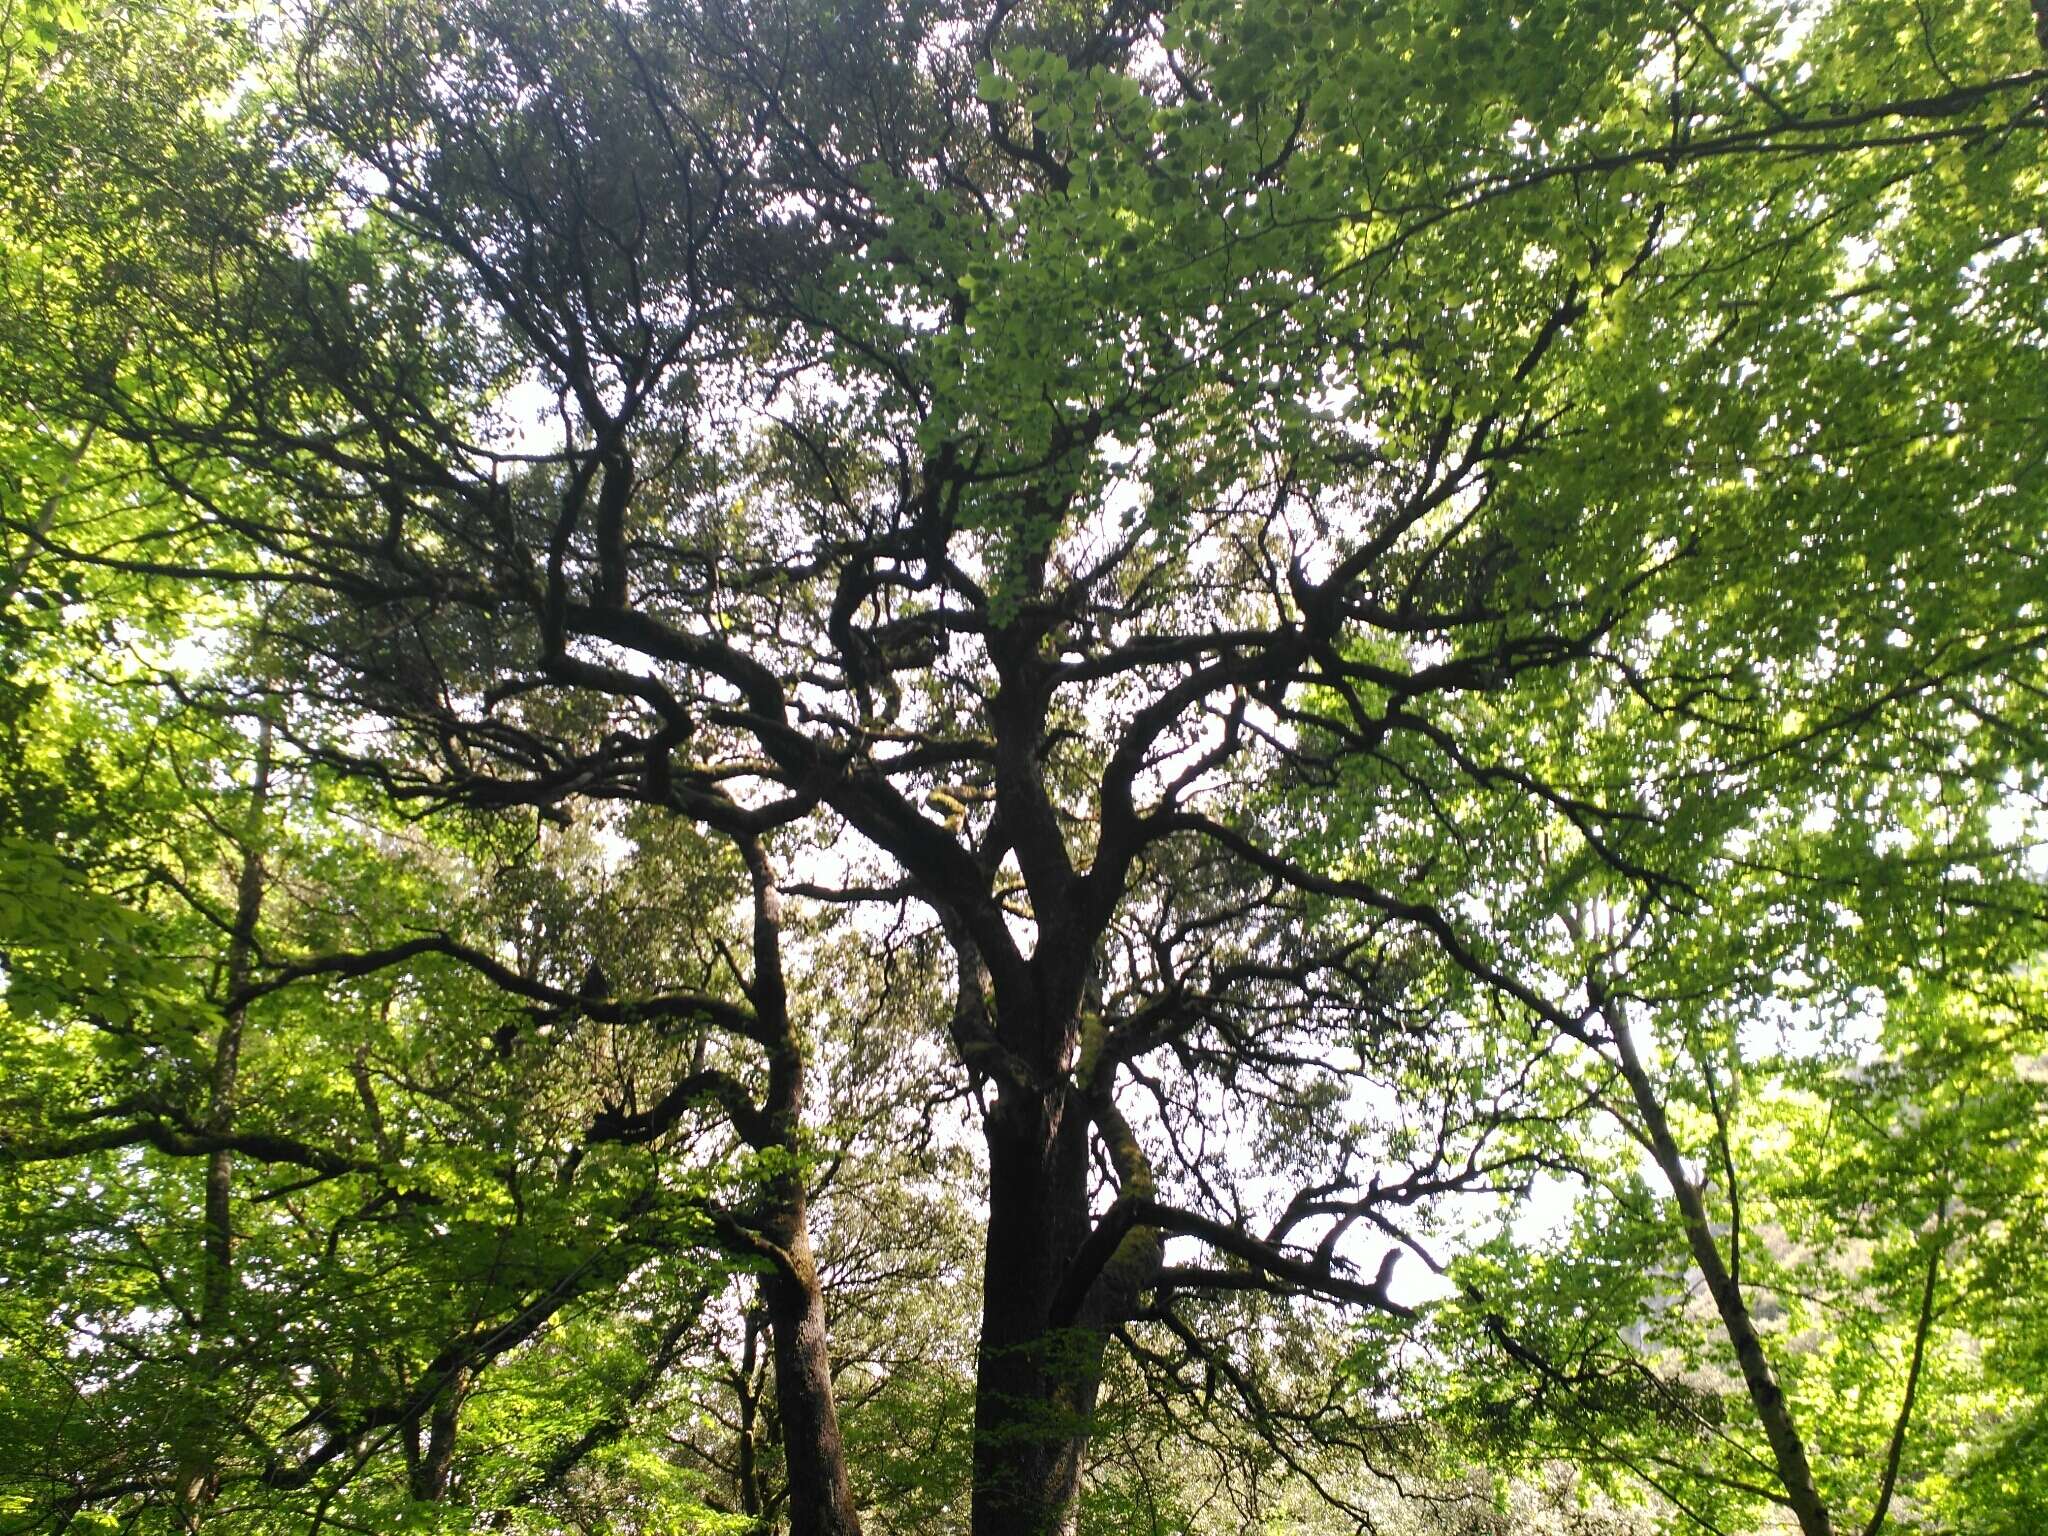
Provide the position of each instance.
(820, 1495)
(1035, 1384)
(432, 1470)
(1047, 1311)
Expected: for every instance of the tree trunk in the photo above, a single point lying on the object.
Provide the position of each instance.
(1035, 1384)
(748, 1385)
(196, 1481)
(432, 1472)
(45, 520)
(1788, 1449)
(820, 1495)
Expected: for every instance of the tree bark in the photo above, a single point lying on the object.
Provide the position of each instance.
(1921, 1329)
(820, 1494)
(1788, 1448)
(432, 1472)
(748, 1385)
(45, 520)
(217, 1256)
(1037, 1377)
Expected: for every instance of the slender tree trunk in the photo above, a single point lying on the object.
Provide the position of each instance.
(749, 1387)
(820, 1493)
(1788, 1449)
(45, 520)
(1921, 1329)
(217, 1256)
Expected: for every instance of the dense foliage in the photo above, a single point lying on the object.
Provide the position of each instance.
(1023, 766)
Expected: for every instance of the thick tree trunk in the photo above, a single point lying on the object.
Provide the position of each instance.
(432, 1471)
(820, 1495)
(1035, 1385)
